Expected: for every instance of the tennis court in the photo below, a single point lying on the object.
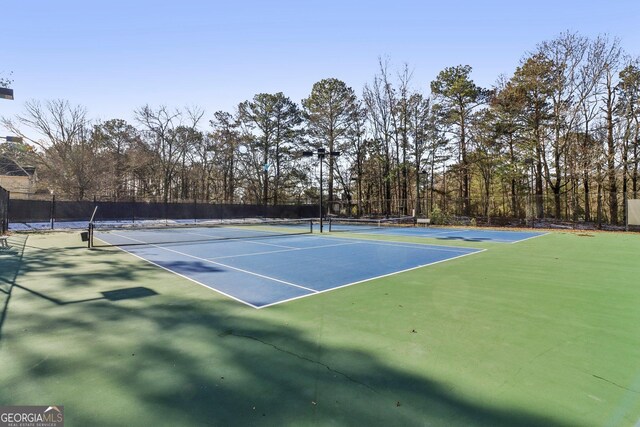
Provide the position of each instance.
(544, 332)
(262, 265)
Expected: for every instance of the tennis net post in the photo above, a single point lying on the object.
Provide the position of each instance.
(91, 228)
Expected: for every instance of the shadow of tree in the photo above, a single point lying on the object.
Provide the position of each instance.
(10, 264)
(178, 359)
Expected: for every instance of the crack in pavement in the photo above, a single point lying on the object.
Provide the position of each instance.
(329, 368)
(616, 384)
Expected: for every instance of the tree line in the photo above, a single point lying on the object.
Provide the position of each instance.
(558, 138)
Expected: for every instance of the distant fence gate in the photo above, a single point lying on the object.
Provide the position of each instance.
(4, 210)
(25, 211)
(633, 212)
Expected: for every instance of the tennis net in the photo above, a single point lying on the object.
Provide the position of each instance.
(356, 224)
(162, 233)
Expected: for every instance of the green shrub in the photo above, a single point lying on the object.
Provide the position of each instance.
(438, 217)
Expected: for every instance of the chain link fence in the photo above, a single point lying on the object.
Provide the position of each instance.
(568, 210)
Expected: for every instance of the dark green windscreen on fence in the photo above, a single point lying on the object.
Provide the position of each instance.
(46, 210)
(4, 210)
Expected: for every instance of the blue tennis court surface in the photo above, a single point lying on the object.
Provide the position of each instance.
(467, 235)
(265, 271)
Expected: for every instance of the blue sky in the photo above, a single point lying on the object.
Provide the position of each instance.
(115, 56)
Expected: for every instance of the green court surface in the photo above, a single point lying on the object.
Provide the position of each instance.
(541, 332)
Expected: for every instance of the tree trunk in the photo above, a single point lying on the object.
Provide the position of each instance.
(465, 170)
(599, 202)
(514, 200)
(265, 184)
(557, 186)
(611, 166)
(587, 198)
(539, 189)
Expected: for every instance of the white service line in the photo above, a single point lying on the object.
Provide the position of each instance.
(440, 233)
(223, 265)
(371, 278)
(430, 247)
(265, 244)
(529, 238)
(399, 244)
(312, 291)
(186, 277)
(257, 274)
(284, 250)
(218, 237)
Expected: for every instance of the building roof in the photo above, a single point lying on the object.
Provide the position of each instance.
(9, 167)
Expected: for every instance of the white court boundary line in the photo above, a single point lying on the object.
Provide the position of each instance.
(372, 278)
(211, 262)
(442, 233)
(186, 277)
(425, 247)
(312, 291)
(532, 237)
(224, 265)
(443, 248)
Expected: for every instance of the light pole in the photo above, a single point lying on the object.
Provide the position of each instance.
(321, 153)
(354, 182)
(15, 139)
(6, 93)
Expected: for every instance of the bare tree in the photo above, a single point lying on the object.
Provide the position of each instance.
(159, 133)
(613, 56)
(225, 140)
(590, 74)
(65, 149)
(421, 128)
(566, 53)
(118, 139)
(378, 99)
(628, 113)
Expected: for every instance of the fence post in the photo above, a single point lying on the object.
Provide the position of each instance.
(52, 214)
(166, 205)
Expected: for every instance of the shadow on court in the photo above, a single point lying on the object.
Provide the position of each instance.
(116, 295)
(60, 262)
(164, 352)
(10, 263)
(194, 266)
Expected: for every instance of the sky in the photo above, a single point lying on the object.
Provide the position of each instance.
(113, 57)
